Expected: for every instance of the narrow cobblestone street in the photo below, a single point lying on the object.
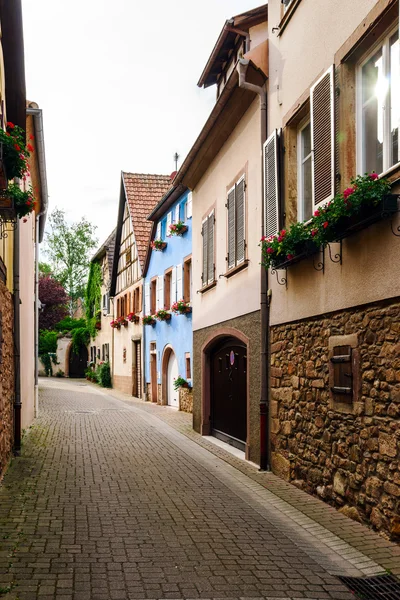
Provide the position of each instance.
(109, 500)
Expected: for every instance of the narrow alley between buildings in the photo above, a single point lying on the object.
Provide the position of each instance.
(117, 499)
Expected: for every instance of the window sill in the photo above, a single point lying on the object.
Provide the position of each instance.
(207, 287)
(287, 16)
(236, 269)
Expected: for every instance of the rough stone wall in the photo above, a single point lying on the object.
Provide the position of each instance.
(350, 459)
(186, 399)
(250, 325)
(6, 376)
(159, 394)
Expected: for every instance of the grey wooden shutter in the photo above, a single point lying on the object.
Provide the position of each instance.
(323, 138)
(210, 251)
(240, 220)
(271, 189)
(231, 229)
(204, 233)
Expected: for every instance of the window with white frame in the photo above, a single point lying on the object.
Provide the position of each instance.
(236, 224)
(379, 107)
(189, 206)
(304, 172)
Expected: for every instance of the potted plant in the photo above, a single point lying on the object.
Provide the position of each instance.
(15, 152)
(132, 318)
(163, 315)
(115, 325)
(181, 307)
(179, 382)
(16, 202)
(158, 245)
(178, 228)
(122, 321)
(148, 320)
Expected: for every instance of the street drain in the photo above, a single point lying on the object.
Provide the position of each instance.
(382, 587)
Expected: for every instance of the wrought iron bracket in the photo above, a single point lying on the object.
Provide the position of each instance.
(319, 263)
(280, 280)
(6, 227)
(395, 228)
(335, 258)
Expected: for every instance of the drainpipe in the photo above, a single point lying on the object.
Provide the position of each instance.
(265, 293)
(37, 115)
(17, 347)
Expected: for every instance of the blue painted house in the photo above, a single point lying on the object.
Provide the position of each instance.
(167, 301)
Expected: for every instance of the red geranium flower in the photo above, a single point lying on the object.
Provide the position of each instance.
(373, 176)
(10, 125)
(30, 147)
(348, 191)
(317, 213)
(290, 256)
(326, 224)
(31, 137)
(17, 147)
(270, 250)
(314, 232)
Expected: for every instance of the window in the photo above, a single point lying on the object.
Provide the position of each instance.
(187, 365)
(169, 221)
(137, 300)
(107, 352)
(153, 296)
(304, 188)
(379, 107)
(187, 280)
(208, 249)
(236, 224)
(158, 231)
(168, 289)
(189, 206)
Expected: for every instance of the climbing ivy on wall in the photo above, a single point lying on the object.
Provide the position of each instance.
(93, 297)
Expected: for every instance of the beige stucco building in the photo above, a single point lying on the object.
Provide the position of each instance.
(334, 92)
(224, 171)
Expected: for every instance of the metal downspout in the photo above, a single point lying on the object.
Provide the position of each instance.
(17, 346)
(265, 463)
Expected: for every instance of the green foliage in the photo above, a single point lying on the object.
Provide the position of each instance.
(60, 373)
(80, 337)
(49, 359)
(47, 342)
(180, 382)
(365, 193)
(69, 247)
(45, 269)
(93, 297)
(103, 374)
(68, 324)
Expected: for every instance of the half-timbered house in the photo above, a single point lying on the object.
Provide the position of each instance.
(139, 195)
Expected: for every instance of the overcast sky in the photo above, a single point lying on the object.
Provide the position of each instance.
(117, 82)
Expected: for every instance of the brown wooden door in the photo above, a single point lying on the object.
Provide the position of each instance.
(78, 362)
(229, 392)
(153, 377)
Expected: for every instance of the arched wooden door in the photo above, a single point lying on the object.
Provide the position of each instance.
(172, 374)
(78, 362)
(229, 392)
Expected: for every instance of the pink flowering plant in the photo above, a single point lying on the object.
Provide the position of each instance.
(132, 318)
(181, 307)
(162, 315)
(148, 320)
(364, 194)
(158, 245)
(178, 228)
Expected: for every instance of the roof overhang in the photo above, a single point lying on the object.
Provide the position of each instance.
(166, 202)
(227, 40)
(12, 40)
(226, 114)
(36, 113)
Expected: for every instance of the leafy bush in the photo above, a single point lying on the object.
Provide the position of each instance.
(80, 337)
(60, 373)
(49, 359)
(68, 324)
(47, 342)
(103, 374)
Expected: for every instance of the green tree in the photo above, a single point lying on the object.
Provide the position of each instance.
(69, 247)
(45, 269)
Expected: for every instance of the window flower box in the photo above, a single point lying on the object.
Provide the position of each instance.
(132, 318)
(7, 210)
(148, 320)
(386, 206)
(15, 152)
(180, 382)
(158, 245)
(178, 228)
(162, 315)
(181, 307)
(115, 325)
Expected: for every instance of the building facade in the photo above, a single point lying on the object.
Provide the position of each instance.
(335, 353)
(168, 281)
(224, 171)
(139, 195)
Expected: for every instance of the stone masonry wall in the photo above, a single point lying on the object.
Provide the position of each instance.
(6, 376)
(350, 459)
(186, 399)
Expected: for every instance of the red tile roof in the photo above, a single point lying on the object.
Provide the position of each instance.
(143, 193)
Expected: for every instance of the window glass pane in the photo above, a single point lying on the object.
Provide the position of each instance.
(374, 89)
(307, 189)
(394, 98)
(306, 141)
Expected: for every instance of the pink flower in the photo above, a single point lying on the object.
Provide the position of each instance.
(283, 233)
(290, 256)
(317, 213)
(373, 176)
(280, 238)
(270, 250)
(314, 232)
(348, 191)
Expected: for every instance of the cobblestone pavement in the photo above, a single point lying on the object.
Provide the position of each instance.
(114, 500)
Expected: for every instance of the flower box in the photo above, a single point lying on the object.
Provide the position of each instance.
(7, 210)
(132, 318)
(162, 315)
(386, 206)
(178, 228)
(158, 245)
(148, 320)
(303, 250)
(181, 307)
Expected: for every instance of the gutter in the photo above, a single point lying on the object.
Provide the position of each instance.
(37, 115)
(265, 296)
(17, 345)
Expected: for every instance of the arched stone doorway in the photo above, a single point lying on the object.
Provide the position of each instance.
(170, 371)
(225, 387)
(76, 364)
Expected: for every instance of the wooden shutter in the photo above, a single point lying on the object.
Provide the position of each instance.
(271, 185)
(177, 213)
(147, 298)
(204, 233)
(189, 206)
(240, 220)
(342, 374)
(210, 249)
(231, 229)
(179, 283)
(169, 221)
(173, 285)
(323, 138)
(140, 290)
(158, 232)
(160, 292)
